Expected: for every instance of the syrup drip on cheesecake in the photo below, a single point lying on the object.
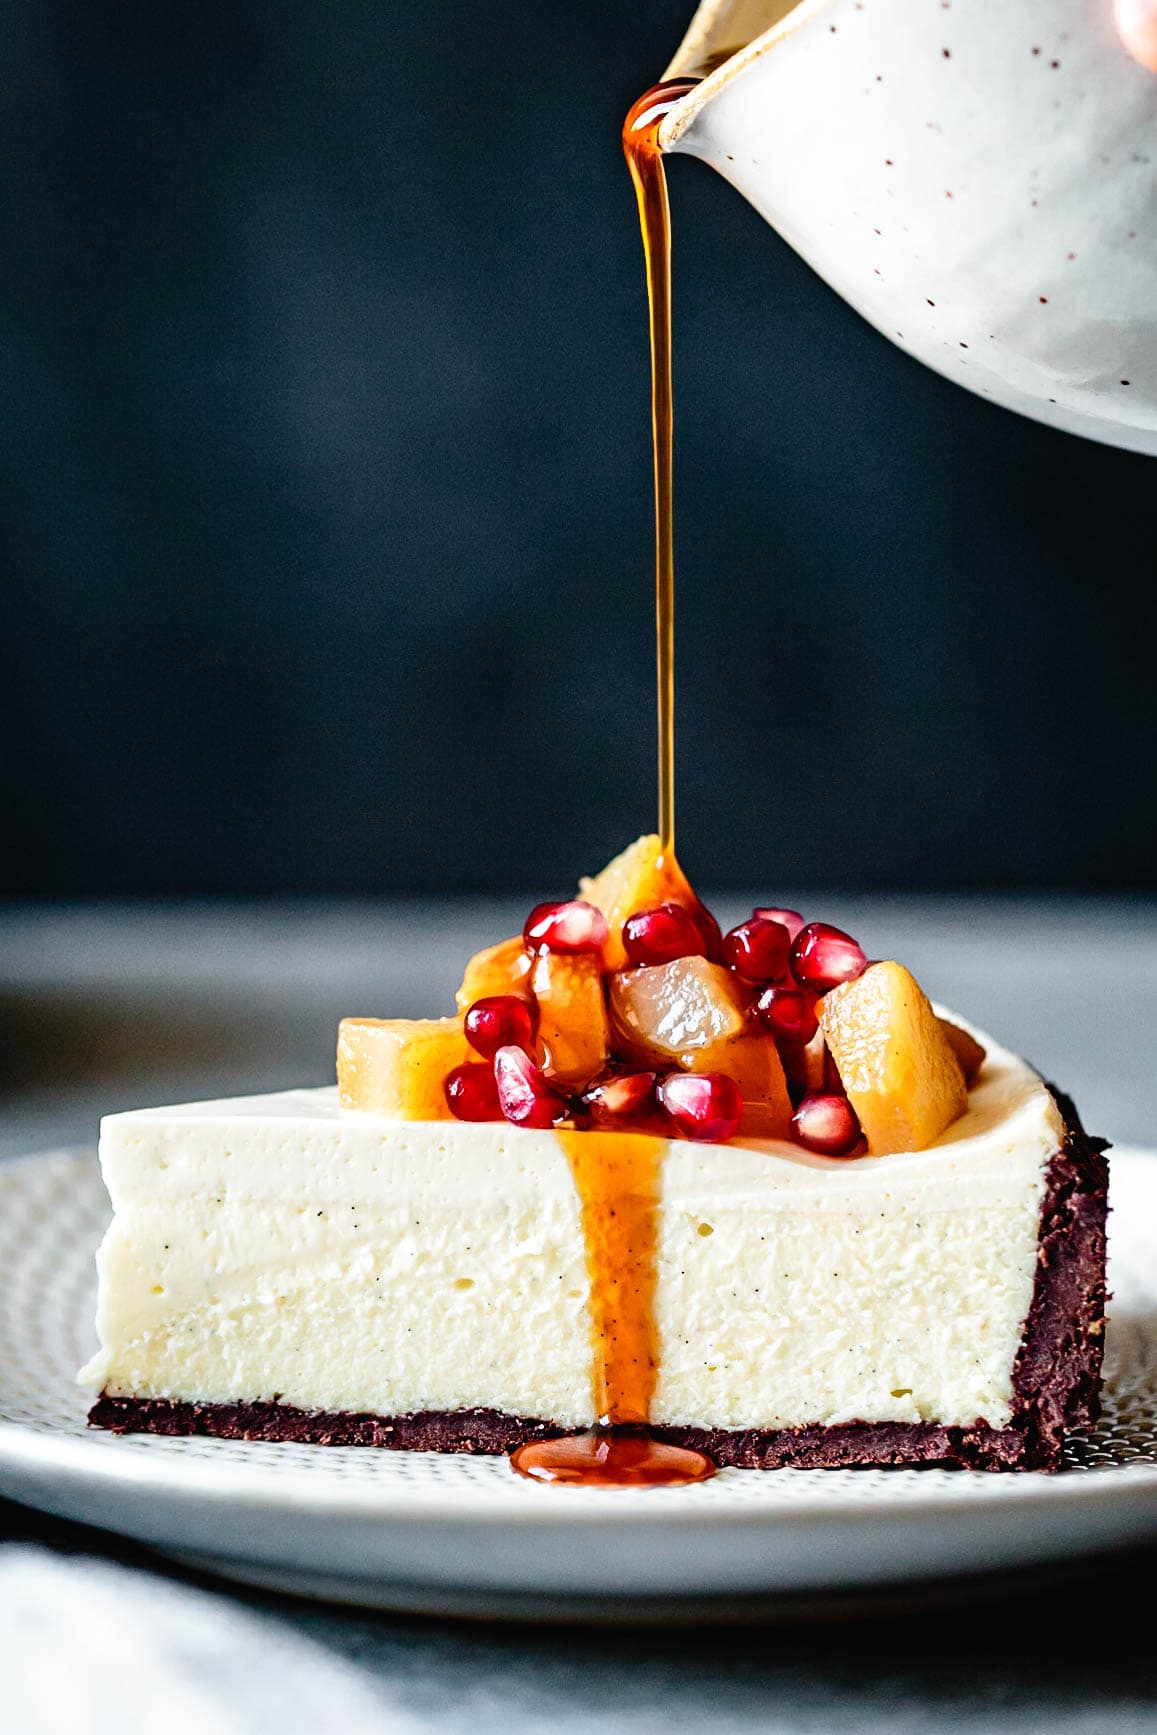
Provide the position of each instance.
(617, 1177)
(617, 1174)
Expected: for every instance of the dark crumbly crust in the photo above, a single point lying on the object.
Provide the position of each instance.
(1056, 1379)
(1057, 1376)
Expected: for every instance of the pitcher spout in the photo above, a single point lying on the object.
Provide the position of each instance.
(977, 181)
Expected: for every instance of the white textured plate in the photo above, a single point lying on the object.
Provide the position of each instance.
(465, 1535)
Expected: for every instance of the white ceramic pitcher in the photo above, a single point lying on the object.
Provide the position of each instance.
(977, 177)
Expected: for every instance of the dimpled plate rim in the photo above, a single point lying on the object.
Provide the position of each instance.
(388, 1524)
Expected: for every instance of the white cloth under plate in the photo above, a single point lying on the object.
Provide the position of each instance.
(87, 1648)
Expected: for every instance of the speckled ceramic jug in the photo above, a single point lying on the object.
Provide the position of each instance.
(977, 177)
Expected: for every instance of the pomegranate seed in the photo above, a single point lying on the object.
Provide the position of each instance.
(703, 1105)
(571, 927)
(789, 919)
(711, 931)
(472, 1093)
(633, 1093)
(524, 1096)
(498, 1020)
(827, 1125)
(822, 957)
(757, 950)
(789, 1013)
(661, 935)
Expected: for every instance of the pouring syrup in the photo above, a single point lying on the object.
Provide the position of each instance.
(617, 1174)
(645, 161)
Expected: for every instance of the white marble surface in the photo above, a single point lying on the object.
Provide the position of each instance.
(119, 1006)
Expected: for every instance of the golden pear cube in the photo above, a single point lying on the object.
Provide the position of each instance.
(670, 1013)
(896, 1063)
(398, 1066)
(573, 1029)
(641, 877)
(500, 969)
(751, 1058)
(967, 1050)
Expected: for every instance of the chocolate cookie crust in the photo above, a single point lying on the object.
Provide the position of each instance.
(1056, 1379)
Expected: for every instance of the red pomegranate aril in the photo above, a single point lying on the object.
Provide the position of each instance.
(827, 1125)
(575, 926)
(632, 1093)
(703, 1105)
(822, 957)
(789, 1013)
(498, 1020)
(661, 935)
(472, 1094)
(758, 949)
(524, 1095)
(789, 919)
(711, 931)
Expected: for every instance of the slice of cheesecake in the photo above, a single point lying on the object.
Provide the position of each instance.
(283, 1268)
(656, 1199)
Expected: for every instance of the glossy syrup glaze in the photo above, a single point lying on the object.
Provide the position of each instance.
(645, 161)
(617, 1174)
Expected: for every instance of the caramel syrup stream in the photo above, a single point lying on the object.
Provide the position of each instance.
(645, 161)
(617, 1174)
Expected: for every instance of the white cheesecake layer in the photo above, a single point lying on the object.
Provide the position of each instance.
(280, 1248)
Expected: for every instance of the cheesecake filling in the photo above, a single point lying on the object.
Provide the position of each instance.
(280, 1249)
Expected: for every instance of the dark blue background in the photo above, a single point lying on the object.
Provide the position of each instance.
(325, 500)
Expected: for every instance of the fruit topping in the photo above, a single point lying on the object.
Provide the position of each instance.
(822, 957)
(711, 931)
(898, 1068)
(789, 1013)
(758, 949)
(498, 1019)
(810, 1069)
(622, 1098)
(668, 1012)
(703, 1105)
(627, 1005)
(966, 1049)
(524, 1095)
(827, 1125)
(661, 935)
(398, 1066)
(575, 926)
(789, 919)
(472, 1094)
(501, 969)
(751, 1058)
(642, 877)
(573, 1029)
